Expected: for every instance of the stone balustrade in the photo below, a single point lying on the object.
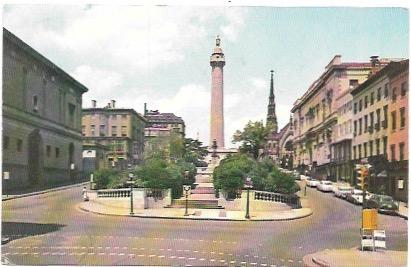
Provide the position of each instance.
(292, 200)
(114, 193)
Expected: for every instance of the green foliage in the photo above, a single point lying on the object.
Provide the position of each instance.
(252, 138)
(230, 175)
(194, 151)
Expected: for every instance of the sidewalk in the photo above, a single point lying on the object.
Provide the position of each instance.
(9, 197)
(197, 214)
(356, 258)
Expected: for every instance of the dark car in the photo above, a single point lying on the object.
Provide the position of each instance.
(384, 204)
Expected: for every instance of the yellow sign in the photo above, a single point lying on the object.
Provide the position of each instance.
(369, 219)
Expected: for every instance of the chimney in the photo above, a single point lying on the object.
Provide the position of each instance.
(375, 64)
(93, 103)
(108, 105)
(145, 109)
(113, 103)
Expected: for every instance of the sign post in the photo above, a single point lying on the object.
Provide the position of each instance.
(186, 190)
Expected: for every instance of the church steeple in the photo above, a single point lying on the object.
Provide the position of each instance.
(271, 117)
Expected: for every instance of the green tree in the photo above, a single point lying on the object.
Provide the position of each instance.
(194, 151)
(252, 138)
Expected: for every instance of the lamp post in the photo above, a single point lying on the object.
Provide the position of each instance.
(186, 189)
(131, 182)
(248, 184)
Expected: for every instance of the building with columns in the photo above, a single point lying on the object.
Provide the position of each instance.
(316, 119)
(41, 125)
(217, 63)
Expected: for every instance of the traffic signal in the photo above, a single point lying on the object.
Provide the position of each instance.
(362, 174)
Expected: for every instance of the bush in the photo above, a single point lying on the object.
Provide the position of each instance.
(104, 177)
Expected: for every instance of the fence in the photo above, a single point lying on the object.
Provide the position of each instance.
(292, 200)
(114, 193)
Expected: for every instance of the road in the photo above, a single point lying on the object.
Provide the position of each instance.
(49, 230)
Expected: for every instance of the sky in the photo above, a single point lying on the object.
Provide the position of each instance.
(159, 55)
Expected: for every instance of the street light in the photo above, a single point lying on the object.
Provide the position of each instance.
(131, 182)
(186, 190)
(248, 184)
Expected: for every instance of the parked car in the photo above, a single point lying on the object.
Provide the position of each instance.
(384, 204)
(312, 182)
(325, 186)
(355, 196)
(342, 191)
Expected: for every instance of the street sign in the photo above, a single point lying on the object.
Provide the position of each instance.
(369, 219)
(186, 188)
(6, 175)
(130, 182)
(91, 177)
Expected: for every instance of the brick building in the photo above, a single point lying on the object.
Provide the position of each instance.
(42, 142)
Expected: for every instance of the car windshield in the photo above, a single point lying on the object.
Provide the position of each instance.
(386, 198)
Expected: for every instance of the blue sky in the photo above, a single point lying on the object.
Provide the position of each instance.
(160, 55)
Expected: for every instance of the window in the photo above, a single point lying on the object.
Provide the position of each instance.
(93, 130)
(379, 94)
(386, 90)
(372, 99)
(392, 152)
(366, 101)
(365, 123)
(359, 151)
(123, 130)
(377, 123)
(355, 128)
(384, 145)
(19, 145)
(365, 150)
(402, 151)
(57, 152)
(355, 108)
(403, 89)
(371, 148)
(113, 130)
(394, 120)
(353, 83)
(83, 130)
(394, 94)
(360, 126)
(385, 122)
(354, 152)
(35, 103)
(6, 141)
(72, 109)
(402, 117)
(48, 151)
(102, 130)
(360, 106)
(377, 146)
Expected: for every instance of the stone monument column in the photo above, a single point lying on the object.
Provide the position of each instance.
(217, 62)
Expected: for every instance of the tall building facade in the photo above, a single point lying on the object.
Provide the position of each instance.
(42, 142)
(217, 63)
(120, 129)
(316, 118)
(380, 128)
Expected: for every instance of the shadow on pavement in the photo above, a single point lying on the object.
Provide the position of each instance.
(17, 230)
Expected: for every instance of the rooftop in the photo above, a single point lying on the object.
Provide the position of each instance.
(154, 116)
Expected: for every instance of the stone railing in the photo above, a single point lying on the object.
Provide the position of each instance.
(292, 200)
(114, 193)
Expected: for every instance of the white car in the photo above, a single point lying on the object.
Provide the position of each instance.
(342, 191)
(355, 196)
(325, 186)
(312, 182)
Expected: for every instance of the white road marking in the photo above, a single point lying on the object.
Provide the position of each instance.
(222, 260)
(173, 257)
(220, 253)
(102, 253)
(161, 256)
(191, 258)
(263, 264)
(195, 251)
(91, 253)
(141, 255)
(212, 259)
(121, 254)
(243, 262)
(152, 255)
(202, 259)
(291, 261)
(253, 263)
(181, 257)
(232, 262)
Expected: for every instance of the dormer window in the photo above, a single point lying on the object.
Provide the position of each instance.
(35, 103)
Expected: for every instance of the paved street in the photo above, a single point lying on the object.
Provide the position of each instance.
(48, 229)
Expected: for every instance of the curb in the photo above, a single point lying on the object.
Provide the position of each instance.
(45, 191)
(402, 216)
(193, 218)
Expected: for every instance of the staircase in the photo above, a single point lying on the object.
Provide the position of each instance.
(203, 195)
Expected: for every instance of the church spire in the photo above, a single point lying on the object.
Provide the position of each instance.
(271, 116)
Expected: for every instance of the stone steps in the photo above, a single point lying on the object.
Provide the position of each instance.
(196, 203)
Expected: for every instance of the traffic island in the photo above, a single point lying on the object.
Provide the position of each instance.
(356, 258)
(196, 214)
